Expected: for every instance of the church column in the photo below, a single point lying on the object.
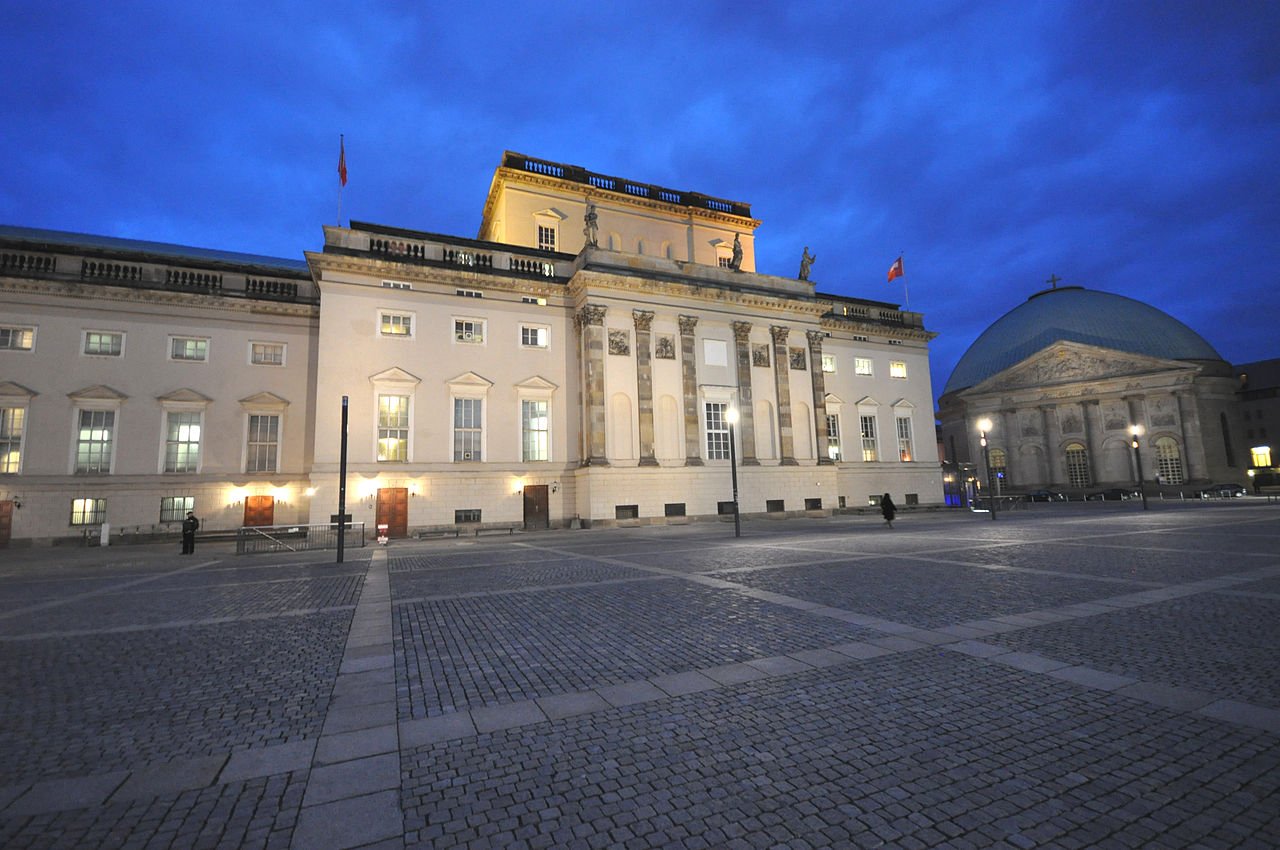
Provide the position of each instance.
(1200, 467)
(820, 397)
(644, 384)
(1095, 458)
(1050, 446)
(782, 384)
(1132, 404)
(1008, 428)
(591, 320)
(746, 404)
(689, 372)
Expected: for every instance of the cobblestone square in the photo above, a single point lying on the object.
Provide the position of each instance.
(1068, 676)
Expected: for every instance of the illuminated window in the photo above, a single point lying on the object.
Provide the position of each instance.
(534, 336)
(862, 366)
(717, 431)
(174, 508)
(904, 438)
(88, 511)
(266, 353)
(829, 363)
(182, 442)
(12, 422)
(396, 324)
(468, 429)
(396, 284)
(1077, 465)
(94, 440)
(1261, 456)
(870, 450)
(535, 429)
(189, 348)
(999, 469)
(104, 343)
(17, 339)
(1168, 460)
(897, 369)
(262, 451)
(833, 436)
(393, 428)
(546, 238)
(468, 331)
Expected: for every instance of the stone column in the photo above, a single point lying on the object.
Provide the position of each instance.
(820, 397)
(746, 403)
(1007, 433)
(1050, 447)
(644, 384)
(689, 372)
(591, 319)
(1136, 417)
(782, 383)
(1197, 465)
(1095, 458)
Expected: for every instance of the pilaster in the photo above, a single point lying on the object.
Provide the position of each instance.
(644, 384)
(820, 396)
(591, 320)
(782, 385)
(746, 403)
(689, 373)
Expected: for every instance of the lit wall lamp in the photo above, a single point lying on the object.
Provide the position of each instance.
(310, 491)
(17, 500)
(984, 428)
(555, 485)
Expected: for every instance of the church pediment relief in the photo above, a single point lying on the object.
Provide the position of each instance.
(8, 389)
(98, 392)
(1072, 362)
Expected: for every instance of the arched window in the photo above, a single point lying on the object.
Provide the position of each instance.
(1077, 465)
(999, 470)
(1168, 460)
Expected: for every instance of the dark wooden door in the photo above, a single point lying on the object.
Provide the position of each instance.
(259, 511)
(6, 521)
(393, 510)
(537, 514)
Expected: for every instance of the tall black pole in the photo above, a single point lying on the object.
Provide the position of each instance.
(1137, 459)
(733, 474)
(991, 489)
(342, 485)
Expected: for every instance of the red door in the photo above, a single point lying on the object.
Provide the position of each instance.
(259, 511)
(393, 511)
(6, 521)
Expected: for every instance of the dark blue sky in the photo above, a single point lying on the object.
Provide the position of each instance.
(1127, 147)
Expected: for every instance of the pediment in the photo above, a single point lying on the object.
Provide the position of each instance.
(469, 380)
(551, 212)
(832, 398)
(186, 395)
(8, 389)
(264, 401)
(395, 375)
(868, 401)
(1073, 362)
(97, 392)
(537, 383)
(902, 404)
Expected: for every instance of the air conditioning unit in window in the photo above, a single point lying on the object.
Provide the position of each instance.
(466, 335)
(466, 455)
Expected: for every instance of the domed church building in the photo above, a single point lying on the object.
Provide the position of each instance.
(1065, 376)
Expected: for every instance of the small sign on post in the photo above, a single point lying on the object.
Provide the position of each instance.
(383, 528)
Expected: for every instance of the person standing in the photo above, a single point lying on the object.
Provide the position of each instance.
(888, 508)
(189, 526)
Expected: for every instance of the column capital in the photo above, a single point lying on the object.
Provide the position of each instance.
(815, 339)
(741, 331)
(687, 325)
(643, 319)
(592, 314)
(779, 333)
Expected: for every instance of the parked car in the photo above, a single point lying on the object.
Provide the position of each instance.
(1222, 491)
(1113, 494)
(1045, 496)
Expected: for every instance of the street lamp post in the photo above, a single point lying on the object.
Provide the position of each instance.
(1136, 431)
(984, 426)
(731, 416)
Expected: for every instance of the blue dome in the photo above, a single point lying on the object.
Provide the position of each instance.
(1076, 314)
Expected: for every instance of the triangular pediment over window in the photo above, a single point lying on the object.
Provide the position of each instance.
(868, 401)
(832, 398)
(185, 395)
(264, 401)
(469, 380)
(551, 213)
(537, 384)
(395, 376)
(10, 390)
(903, 404)
(98, 392)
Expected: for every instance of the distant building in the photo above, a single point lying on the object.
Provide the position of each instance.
(577, 361)
(1259, 394)
(1066, 375)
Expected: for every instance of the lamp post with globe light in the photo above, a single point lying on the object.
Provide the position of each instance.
(984, 427)
(1136, 431)
(731, 416)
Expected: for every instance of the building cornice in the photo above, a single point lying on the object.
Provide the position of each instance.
(588, 283)
(414, 273)
(157, 297)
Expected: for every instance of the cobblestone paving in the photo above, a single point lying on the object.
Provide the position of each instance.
(1069, 676)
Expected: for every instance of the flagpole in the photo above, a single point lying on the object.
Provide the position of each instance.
(342, 161)
(906, 296)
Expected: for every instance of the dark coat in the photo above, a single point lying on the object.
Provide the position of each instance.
(888, 508)
(189, 526)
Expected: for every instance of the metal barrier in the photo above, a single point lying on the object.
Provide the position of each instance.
(296, 538)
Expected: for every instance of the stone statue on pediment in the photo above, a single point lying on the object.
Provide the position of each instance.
(806, 263)
(736, 262)
(591, 231)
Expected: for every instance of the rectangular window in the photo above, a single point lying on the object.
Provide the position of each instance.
(862, 366)
(673, 509)
(174, 508)
(869, 449)
(897, 369)
(533, 299)
(775, 506)
(468, 293)
(93, 442)
(535, 430)
(725, 262)
(104, 343)
(904, 438)
(717, 431)
(829, 363)
(182, 442)
(813, 504)
(396, 284)
(189, 348)
(467, 515)
(467, 429)
(12, 422)
(396, 324)
(266, 353)
(833, 436)
(393, 428)
(17, 339)
(469, 331)
(1261, 455)
(626, 512)
(88, 511)
(546, 238)
(264, 443)
(532, 336)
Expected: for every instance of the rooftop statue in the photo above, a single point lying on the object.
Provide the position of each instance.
(806, 263)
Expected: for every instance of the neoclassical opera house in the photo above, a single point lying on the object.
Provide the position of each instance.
(1065, 376)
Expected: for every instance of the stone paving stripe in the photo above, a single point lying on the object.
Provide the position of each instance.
(352, 698)
(9, 793)
(820, 657)
(779, 665)
(377, 639)
(861, 650)
(345, 746)
(353, 822)
(630, 693)
(991, 627)
(897, 643)
(854, 618)
(432, 730)
(60, 795)
(1018, 620)
(165, 779)
(679, 684)
(929, 636)
(964, 632)
(1029, 661)
(1091, 678)
(567, 705)
(1167, 696)
(354, 653)
(352, 779)
(890, 628)
(495, 718)
(361, 681)
(362, 665)
(977, 649)
(351, 718)
(733, 674)
(1255, 716)
(268, 761)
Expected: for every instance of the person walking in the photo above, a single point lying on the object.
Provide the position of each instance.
(189, 526)
(888, 508)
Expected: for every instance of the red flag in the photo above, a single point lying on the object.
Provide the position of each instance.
(895, 270)
(342, 161)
